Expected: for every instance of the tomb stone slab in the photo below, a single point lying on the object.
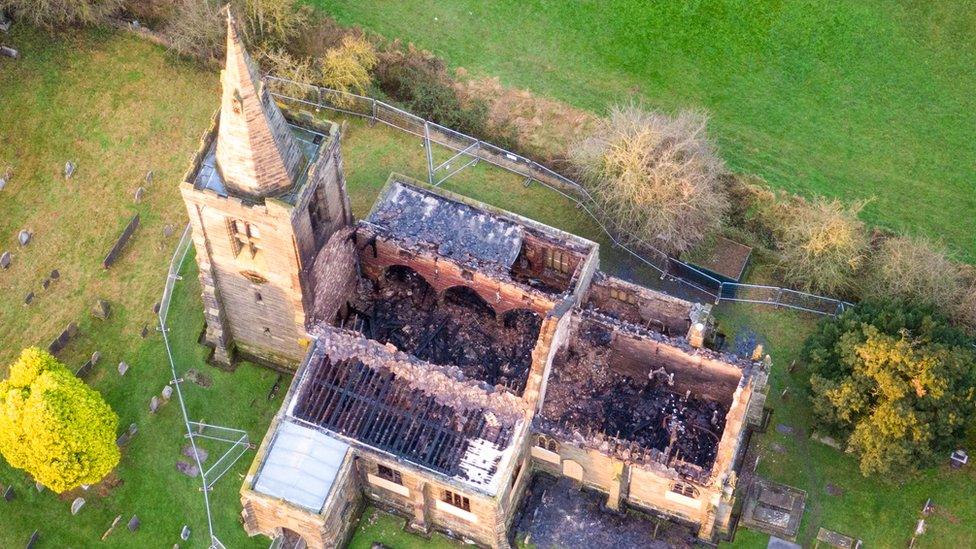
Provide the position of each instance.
(187, 468)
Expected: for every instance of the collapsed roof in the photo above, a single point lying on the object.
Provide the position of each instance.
(457, 231)
(426, 414)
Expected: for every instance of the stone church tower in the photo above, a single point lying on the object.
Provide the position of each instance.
(263, 195)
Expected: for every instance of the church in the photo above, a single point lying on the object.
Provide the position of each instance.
(444, 351)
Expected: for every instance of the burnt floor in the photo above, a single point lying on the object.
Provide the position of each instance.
(557, 514)
(585, 393)
(456, 328)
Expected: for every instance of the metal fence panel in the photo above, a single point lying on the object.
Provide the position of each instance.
(471, 147)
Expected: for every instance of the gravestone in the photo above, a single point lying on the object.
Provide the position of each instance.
(167, 392)
(116, 251)
(145, 331)
(38, 486)
(96, 356)
(85, 369)
(123, 368)
(133, 523)
(5, 260)
(28, 298)
(71, 329)
(33, 540)
(201, 454)
(69, 169)
(76, 505)
(140, 193)
(156, 308)
(149, 177)
(127, 436)
(200, 378)
(55, 274)
(833, 490)
(4, 23)
(187, 468)
(24, 237)
(101, 310)
(154, 404)
(45, 283)
(3, 183)
(9, 494)
(784, 429)
(168, 230)
(185, 533)
(7, 51)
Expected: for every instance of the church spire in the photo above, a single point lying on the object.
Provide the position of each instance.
(256, 153)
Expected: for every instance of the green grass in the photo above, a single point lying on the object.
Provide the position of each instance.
(377, 526)
(881, 511)
(118, 107)
(853, 99)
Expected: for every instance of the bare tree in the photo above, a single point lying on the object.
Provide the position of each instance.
(654, 177)
(822, 244)
(913, 269)
(197, 30)
(50, 14)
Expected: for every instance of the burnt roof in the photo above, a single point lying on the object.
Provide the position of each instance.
(457, 230)
(426, 414)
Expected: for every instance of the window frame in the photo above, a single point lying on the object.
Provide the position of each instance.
(684, 489)
(456, 500)
(558, 260)
(244, 235)
(389, 474)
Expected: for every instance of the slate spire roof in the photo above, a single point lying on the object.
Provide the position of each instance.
(256, 153)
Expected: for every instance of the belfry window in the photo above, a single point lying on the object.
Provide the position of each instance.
(245, 236)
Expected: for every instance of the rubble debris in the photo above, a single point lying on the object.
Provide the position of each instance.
(586, 394)
(459, 329)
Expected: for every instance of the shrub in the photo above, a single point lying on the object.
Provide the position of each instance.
(53, 426)
(915, 270)
(521, 120)
(655, 177)
(896, 382)
(347, 68)
(964, 312)
(51, 14)
(198, 29)
(300, 70)
(822, 244)
(419, 81)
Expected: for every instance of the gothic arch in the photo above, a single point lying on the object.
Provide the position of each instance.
(401, 273)
(470, 297)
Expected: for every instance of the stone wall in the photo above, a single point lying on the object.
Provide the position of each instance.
(420, 498)
(258, 304)
(442, 274)
(639, 305)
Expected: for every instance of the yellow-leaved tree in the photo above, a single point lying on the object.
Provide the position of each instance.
(53, 426)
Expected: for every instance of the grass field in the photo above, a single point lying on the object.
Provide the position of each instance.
(854, 99)
(118, 107)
